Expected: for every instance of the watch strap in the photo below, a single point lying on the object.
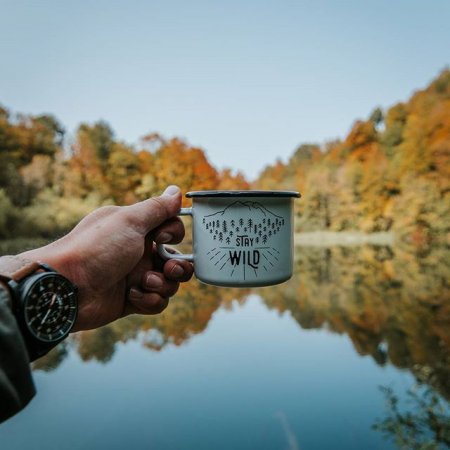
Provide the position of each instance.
(16, 268)
(5, 294)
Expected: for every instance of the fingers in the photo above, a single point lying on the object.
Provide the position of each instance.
(140, 302)
(150, 213)
(156, 288)
(156, 282)
(170, 232)
(178, 270)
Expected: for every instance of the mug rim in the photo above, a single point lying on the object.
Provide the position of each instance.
(241, 193)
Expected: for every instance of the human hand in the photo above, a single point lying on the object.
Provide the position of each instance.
(111, 256)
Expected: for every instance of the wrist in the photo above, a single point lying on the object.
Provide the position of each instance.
(56, 255)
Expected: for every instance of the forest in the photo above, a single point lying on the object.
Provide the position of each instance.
(390, 173)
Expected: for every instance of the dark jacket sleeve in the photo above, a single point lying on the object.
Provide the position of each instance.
(16, 383)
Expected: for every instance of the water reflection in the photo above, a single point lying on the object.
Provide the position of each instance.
(394, 306)
(421, 422)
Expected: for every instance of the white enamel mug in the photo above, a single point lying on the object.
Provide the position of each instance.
(240, 238)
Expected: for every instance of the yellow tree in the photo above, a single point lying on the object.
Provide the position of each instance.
(229, 180)
(123, 174)
(177, 163)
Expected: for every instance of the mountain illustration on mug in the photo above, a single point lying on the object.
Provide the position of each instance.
(243, 231)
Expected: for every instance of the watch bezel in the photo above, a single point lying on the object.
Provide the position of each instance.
(24, 290)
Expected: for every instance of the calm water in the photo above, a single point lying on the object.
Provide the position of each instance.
(310, 364)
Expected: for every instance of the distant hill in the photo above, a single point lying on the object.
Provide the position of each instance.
(392, 172)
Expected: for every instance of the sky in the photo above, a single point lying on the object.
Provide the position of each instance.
(247, 81)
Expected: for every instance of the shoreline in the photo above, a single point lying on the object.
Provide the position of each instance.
(342, 238)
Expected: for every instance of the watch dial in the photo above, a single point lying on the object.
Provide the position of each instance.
(50, 307)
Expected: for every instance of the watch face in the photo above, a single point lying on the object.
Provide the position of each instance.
(50, 307)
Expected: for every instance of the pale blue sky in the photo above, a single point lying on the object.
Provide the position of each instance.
(247, 81)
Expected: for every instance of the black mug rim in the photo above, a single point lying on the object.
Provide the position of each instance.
(241, 193)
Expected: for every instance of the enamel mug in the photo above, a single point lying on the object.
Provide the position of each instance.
(240, 238)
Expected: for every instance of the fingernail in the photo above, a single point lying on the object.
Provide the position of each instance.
(153, 281)
(172, 190)
(136, 294)
(164, 238)
(177, 271)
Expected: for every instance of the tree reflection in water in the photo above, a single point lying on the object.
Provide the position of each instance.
(425, 425)
(393, 304)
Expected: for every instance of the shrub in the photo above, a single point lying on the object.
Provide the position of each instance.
(8, 215)
(50, 215)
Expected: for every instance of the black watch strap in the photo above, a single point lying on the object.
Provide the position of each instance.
(5, 295)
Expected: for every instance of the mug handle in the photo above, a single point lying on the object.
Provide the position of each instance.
(162, 248)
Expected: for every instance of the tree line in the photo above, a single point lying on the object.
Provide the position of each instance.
(48, 184)
(392, 172)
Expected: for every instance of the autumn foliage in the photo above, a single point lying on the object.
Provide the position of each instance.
(46, 186)
(392, 172)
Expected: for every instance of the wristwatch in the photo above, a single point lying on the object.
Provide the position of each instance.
(44, 302)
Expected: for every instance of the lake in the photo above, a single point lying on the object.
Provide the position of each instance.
(352, 353)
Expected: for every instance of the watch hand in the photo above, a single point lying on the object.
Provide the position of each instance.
(49, 309)
(45, 317)
(49, 301)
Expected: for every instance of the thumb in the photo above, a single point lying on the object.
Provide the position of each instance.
(150, 213)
